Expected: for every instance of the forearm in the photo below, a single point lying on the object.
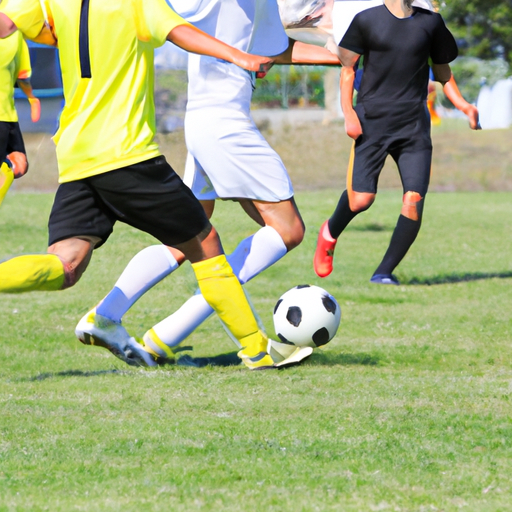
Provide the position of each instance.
(347, 79)
(307, 54)
(26, 87)
(194, 40)
(454, 95)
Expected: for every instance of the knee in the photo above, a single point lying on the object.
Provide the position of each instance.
(412, 205)
(360, 201)
(75, 255)
(71, 275)
(294, 234)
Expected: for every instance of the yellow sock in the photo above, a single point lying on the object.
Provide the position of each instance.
(6, 179)
(43, 272)
(223, 291)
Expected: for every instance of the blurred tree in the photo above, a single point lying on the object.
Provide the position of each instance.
(483, 28)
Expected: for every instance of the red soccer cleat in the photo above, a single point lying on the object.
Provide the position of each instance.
(324, 253)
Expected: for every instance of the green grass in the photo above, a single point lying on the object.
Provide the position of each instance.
(409, 408)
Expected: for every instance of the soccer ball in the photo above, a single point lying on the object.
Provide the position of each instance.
(306, 316)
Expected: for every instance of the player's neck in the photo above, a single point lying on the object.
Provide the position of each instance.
(398, 8)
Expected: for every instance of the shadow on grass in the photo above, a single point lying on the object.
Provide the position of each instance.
(224, 360)
(317, 359)
(458, 278)
(374, 226)
(230, 359)
(69, 373)
(344, 359)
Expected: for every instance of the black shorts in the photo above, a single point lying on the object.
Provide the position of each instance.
(10, 139)
(403, 133)
(148, 195)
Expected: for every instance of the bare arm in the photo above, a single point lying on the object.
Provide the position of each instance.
(7, 27)
(443, 74)
(306, 54)
(453, 94)
(35, 105)
(352, 123)
(194, 40)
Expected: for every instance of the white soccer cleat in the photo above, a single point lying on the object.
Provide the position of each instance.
(94, 329)
(287, 355)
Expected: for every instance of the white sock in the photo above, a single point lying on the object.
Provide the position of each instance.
(252, 256)
(145, 269)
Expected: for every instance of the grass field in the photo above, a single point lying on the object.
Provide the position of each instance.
(409, 408)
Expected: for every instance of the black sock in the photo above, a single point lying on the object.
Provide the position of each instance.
(403, 237)
(341, 216)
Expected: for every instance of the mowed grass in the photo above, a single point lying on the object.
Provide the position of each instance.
(409, 408)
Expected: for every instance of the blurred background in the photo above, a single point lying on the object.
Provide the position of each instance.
(299, 107)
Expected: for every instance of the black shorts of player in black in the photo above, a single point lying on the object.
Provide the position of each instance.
(11, 139)
(148, 195)
(392, 111)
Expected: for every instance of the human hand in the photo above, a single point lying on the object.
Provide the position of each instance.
(35, 109)
(19, 163)
(353, 126)
(261, 65)
(473, 116)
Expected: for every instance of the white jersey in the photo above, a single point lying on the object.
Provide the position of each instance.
(253, 26)
(228, 156)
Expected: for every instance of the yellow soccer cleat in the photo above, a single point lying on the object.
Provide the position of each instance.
(260, 361)
(161, 353)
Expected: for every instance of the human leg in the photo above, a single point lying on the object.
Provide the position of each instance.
(415, 172)
(168, 221)
(223, 292)
(350, 204)
(253, 255)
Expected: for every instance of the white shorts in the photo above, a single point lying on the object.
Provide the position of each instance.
(230, 159)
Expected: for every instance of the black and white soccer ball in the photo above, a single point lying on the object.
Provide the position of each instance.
(306, 316)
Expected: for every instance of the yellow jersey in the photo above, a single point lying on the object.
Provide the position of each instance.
(14, 65)
(106, 55)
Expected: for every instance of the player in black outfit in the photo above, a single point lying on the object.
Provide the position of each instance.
(398, 42)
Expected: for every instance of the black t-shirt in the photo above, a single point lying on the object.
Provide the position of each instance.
(396, 54)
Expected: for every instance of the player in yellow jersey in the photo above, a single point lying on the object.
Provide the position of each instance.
(14, 68)
(110, 168)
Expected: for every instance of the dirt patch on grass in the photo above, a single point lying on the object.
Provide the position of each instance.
(316, 155)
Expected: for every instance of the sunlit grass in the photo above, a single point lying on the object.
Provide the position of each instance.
(407, 409)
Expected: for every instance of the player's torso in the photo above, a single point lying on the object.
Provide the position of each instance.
(96, 38)
(107, 78)
(396, 53)
(252, 26)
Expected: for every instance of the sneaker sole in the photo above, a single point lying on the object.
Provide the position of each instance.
(133, 359)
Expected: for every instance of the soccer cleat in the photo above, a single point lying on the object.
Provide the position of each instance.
(94, 329)
(296, 357)
(279, 351)
(324, 252)
(261, 361)
(384, 279)
(159, 351)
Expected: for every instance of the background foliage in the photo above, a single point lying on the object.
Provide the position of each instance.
(483, 27)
